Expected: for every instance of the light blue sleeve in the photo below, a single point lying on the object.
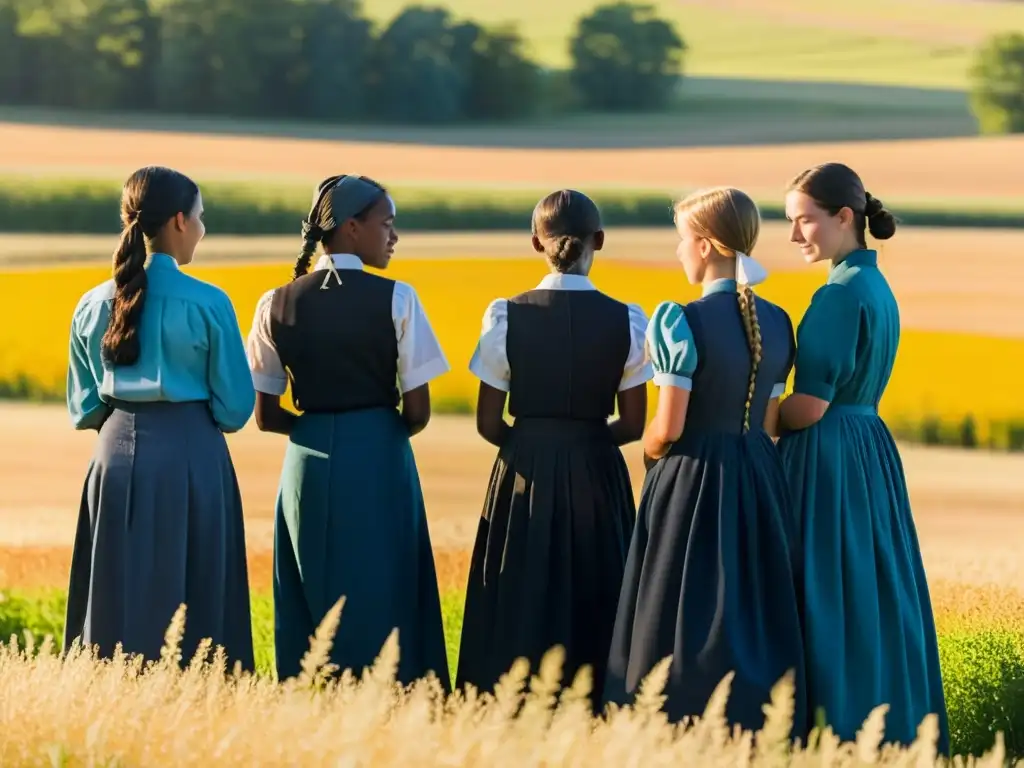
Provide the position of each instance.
(86, 408)
(671, 347)
(826, 342)
(232, 394)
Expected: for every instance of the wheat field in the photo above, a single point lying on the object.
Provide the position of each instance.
(80, 713)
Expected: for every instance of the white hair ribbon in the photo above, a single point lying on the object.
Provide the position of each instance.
(748, 270)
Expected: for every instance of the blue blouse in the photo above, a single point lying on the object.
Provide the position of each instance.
(191, 349)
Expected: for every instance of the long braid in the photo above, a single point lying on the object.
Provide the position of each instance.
(748, 310)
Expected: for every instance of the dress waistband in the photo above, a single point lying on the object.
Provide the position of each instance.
(853, 409)
(155, 406)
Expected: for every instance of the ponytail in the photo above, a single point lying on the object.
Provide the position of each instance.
(120, 345)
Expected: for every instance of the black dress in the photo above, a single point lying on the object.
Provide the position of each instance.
(551, 546)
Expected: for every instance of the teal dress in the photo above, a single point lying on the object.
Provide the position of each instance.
(869, 631)
(711, 576)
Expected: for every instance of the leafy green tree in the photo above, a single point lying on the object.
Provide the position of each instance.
(10, 54)
(997, 84)
(334, 62)
(419, 67)
(504, 83)
(626, 58)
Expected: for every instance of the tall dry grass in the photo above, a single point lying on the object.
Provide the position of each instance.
(79, 711)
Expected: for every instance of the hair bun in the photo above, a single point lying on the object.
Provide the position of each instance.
(881, 223)
(872, 205)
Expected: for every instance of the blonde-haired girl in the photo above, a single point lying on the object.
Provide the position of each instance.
(711, 578)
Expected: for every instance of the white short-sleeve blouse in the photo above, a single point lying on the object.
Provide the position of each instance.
(420, 358)
(490, 361)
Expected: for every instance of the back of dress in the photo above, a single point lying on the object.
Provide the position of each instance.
(721, 382)
(857, 316)
(566, 353)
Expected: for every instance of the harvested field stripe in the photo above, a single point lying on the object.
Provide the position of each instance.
(964, 168)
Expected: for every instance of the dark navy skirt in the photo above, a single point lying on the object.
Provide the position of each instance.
(351, 522)
(160, 524)
(713, 580)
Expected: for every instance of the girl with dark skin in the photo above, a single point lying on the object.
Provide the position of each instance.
(359, 353)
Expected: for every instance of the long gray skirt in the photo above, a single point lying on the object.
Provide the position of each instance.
(160, 524)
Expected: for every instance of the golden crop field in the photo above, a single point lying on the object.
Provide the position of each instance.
(456, 292)
(919, 170)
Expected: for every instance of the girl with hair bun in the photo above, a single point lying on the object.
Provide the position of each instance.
(359, 353)
(551, 542)
(870, 633)
(157, 366)
(711, 578)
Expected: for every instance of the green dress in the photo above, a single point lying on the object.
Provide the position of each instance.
(868, 626)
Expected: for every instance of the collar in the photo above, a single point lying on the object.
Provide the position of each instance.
(865, 257)
(164, 261)
(721, 285)
(341, 261)
(562, 282)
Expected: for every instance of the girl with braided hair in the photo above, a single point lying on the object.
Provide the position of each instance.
(711, 578)
(157, 365)
(359, 353)
(551, 543)
(869, 629)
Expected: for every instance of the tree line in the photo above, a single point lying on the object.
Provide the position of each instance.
(322, 60)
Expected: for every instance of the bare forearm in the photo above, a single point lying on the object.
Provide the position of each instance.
(494, 433)
(625, 431)
(656, 442)
(799, 411)
(278, 421)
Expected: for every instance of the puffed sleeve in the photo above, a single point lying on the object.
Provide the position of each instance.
(780, 386)
(490, 360)
(638, 369)
(85, 407)
(420, 357)
(232, 396)
(268, 374)
(826, 342)
(671, 347)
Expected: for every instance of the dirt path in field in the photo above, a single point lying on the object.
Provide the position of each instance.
(911, 169)
(969, 506)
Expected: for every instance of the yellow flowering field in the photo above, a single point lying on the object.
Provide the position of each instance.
(938, 375)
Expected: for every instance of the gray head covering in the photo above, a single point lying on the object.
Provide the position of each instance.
(346, 196)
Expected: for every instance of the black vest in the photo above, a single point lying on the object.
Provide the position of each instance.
(566, 353)
(338, 345)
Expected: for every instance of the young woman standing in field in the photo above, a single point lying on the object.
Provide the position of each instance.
(559, 510)
(157, 366)
(711, 578)
(350, 517)
(870, 634)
